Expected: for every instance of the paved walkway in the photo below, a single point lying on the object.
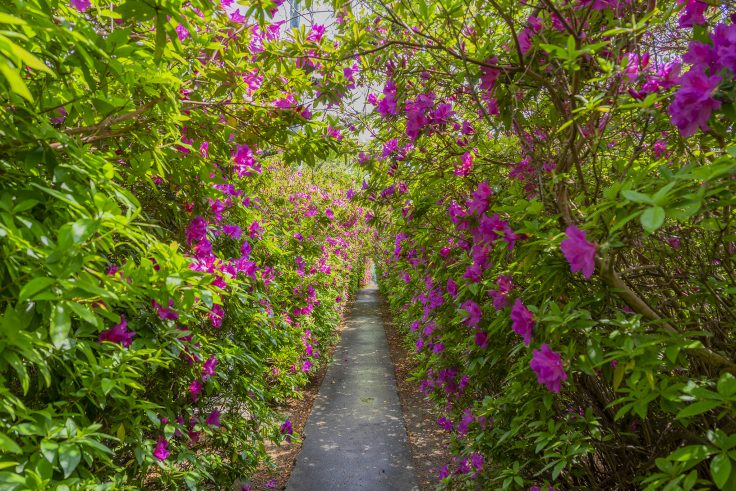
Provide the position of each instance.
(355, 437)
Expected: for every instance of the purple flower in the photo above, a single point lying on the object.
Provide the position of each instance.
(118, 333)
(481, 339)
(286, 429)
(214, 418)
(197, 230)
(165, 313)
(694, 102)
(232, 231)
(522, 321)
(451, 287)
(216, 315)
(442, 113)
(161, 452)
(330, 214)
(445, 423)
(316, 33)
(479, 203)
(390, 147)
(477, 461)
(195, 388)
(80, 5)
(465, 421)
(578, 251)
(208, 368)
(255, 230)
(547, 364)
(181, 32)
(724, 46)
(692, 13)
(466, 164)
(474, 313)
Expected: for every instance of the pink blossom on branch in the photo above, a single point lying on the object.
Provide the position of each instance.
(547, 364)
(80, 5)
(474, 313)
(161, 451)
(522, 321)
(118, 333)
(694, 102)
(578, 251)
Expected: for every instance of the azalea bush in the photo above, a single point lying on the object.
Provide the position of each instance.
(175, 257)
(555, 183)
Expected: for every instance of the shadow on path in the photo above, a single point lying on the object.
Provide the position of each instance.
(355, 437)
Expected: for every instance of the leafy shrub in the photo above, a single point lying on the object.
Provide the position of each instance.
(168, 277)
(555, 187)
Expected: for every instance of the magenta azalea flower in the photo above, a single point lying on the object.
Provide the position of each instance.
(522, 321)
(208, 368)
(451, 287)
(80, 5)
(390, 147)
(481, 339)
(216, 315)
(474, 313)
(161, 452)
(232, 231)
(197, 230)
(466, 164)
(694, 102)
(255, 230)
(214, 418)
(724, 46)
(118, 333)
(287, 429)
(479, 203)
(316, 33)
(547, 364)
(692, 13)
(578, 251)
(195, 388)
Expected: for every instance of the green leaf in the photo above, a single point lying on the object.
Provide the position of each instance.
(720, 470)
(82, 230)
(15, 81)
(49, 449)
(33, 287)
(727, 385)
(69, 457)
(691, 453)
(697, 408)
(8, 445)
(9, 19)
(637, 197)
(652, 218)
(107, 385)
(27, 58)
(61, 323)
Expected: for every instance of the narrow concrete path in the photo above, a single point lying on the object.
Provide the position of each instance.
(355, 437)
